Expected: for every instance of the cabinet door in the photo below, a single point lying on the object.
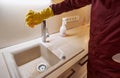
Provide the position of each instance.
(67, 74)
(78, 70)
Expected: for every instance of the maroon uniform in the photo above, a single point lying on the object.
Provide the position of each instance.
(104, 35)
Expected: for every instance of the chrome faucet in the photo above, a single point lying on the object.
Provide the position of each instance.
(44, 30)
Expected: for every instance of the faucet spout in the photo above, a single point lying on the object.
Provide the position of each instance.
(44, 31)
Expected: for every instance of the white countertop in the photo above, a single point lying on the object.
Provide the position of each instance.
(69, 46)
(74, 46)
(3, 68)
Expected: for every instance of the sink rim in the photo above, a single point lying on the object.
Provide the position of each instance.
(13, 68)
(56, 66)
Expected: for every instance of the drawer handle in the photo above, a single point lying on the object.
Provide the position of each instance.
(83, 60)
(73, 71)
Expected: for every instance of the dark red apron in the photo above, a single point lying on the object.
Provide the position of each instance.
(104, 35)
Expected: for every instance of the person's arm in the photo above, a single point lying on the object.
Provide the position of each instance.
(33, 18)
(68, 5)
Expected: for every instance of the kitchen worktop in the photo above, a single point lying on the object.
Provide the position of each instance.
(3, 68)
(69, 49)
(76, 38)
(73, 46)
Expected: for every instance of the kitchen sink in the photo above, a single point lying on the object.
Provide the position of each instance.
(24, 61)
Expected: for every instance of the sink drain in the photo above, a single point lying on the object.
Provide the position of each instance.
(41, 67)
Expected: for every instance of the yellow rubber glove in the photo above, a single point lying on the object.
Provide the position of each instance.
(35, 18)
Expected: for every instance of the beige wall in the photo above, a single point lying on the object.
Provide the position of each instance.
(54, 22)
(13, 29)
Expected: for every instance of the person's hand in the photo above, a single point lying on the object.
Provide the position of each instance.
(35, 18)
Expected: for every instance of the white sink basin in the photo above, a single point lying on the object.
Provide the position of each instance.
(22, 60)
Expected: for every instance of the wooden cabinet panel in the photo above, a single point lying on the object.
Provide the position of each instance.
(78, 70)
